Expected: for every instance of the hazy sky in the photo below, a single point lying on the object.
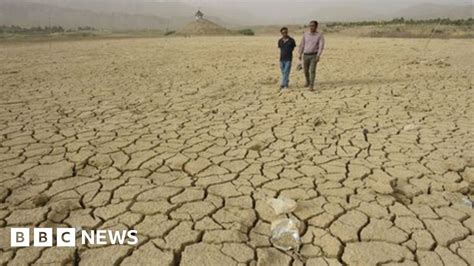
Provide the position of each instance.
(289, 2)
(378, 2)
(269, 12)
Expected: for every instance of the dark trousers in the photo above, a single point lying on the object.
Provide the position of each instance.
(309, 64)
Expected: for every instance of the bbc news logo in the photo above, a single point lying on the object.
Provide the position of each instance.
(66, 237)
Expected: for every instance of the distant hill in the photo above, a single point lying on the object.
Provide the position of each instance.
(427, 11)
(203, 27)
(109, 14)
(155, 8)
(343, 14)
(422, 11)
(34, 14)
(177, 13)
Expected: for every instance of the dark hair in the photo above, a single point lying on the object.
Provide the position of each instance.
(315, 22)
(284, 28)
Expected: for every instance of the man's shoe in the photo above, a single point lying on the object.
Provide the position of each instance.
(306, 85)
(311, 88)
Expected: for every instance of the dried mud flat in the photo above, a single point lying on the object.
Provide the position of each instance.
(184, 139)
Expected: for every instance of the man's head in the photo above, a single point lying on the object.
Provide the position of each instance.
(284, 32)
(313, 26)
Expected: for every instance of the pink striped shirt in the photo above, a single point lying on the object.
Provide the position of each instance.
(312, 43)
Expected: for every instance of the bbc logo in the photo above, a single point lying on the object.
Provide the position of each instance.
(66, 237)
(43, 237)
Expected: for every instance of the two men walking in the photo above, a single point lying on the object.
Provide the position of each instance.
(310, 51)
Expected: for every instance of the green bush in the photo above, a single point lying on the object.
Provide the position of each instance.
(86, 28)
(170, 32)
(31, 30)
(247, 32)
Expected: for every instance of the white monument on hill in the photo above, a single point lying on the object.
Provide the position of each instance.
(199, 15)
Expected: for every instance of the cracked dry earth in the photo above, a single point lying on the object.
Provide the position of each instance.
(184, 140)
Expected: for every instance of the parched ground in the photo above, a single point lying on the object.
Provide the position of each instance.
(184, 139)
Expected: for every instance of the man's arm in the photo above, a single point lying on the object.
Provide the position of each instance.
(321, 46)
(302, 46)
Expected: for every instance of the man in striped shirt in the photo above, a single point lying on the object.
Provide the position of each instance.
(311, 49)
